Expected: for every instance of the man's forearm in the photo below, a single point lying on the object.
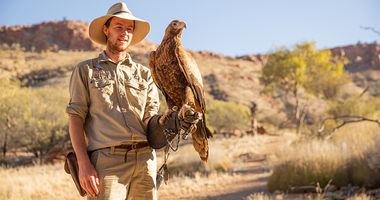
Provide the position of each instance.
(88, 177)
(77, 139)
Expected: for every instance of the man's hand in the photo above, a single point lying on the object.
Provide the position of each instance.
(88, 178)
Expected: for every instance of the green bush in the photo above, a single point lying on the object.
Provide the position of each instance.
(355, 106)
(227, 116)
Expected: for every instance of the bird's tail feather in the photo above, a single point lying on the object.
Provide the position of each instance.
(200, 142)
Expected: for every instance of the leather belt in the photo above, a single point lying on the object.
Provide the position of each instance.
(128, 147)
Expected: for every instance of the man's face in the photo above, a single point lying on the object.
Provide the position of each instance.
(119, 34)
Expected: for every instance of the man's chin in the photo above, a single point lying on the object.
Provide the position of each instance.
(119, 48)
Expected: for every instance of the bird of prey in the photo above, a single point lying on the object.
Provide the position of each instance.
(176, 73)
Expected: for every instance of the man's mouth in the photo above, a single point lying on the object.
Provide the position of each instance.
(123, 40)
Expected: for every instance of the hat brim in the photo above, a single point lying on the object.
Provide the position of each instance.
(140, 30)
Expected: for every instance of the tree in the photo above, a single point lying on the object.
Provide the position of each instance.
(8, 115)
(317, 72)
(31, 118)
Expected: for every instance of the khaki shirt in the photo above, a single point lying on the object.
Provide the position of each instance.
(113, 100)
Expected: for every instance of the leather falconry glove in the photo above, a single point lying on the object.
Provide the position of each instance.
(188, 117)
(163, 128)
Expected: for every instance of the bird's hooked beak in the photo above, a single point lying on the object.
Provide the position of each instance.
(183, 24)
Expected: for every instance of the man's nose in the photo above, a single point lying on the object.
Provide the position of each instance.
(126, 31)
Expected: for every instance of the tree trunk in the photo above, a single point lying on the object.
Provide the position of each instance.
(297, 109)
(253, 123)
(5, 144)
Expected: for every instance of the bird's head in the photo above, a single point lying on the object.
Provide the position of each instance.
(175, 27)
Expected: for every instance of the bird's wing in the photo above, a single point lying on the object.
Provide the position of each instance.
(193, 76)
(190, 70)
(155, 74)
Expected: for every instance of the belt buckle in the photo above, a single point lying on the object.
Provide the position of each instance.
(134, 146)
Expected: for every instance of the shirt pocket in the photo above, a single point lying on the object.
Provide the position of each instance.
(136, 94)
(102, 90)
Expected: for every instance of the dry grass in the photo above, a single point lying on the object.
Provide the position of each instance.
(16, 62)
(37, 182)
(262, 196)
(226, 155)
(351, 157)
(360, 197)
(51, 182)
(231, 154)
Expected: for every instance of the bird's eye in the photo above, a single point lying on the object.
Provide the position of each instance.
(175, 24)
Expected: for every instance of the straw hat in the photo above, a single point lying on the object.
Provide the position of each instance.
(120, 10)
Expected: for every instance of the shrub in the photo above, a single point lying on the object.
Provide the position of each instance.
(355, 106)
(350, 157)
(227, 116)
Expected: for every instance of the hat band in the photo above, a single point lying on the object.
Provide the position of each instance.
(121, 12)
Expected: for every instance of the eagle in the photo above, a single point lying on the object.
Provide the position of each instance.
(176, 74)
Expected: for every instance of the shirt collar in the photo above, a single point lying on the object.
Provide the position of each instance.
(104, 58)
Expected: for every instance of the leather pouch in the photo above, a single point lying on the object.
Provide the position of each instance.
(71, 167)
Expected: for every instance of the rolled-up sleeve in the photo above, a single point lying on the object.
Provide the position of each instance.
(79, 94)
(152, 102)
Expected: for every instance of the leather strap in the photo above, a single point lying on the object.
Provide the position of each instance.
(133, 146)
(128, 147)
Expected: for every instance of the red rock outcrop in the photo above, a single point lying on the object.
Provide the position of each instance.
(360, 55)
(56, 35)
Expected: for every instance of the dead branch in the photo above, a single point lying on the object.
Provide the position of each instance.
(364, 91)
(346, 120)
(302, 189)
(371, 29)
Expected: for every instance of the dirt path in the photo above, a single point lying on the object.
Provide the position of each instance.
(250, 178)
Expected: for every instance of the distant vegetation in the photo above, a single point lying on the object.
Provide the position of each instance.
(351, 156)
(306, 69)
(32, 120)
(227, 116)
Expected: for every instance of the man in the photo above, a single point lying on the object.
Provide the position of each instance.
(112, 102)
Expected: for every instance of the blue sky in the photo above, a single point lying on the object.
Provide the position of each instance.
(223, 26)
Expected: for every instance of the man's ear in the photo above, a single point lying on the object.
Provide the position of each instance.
(105, 30)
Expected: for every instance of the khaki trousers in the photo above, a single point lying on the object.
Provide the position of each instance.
(134, 179)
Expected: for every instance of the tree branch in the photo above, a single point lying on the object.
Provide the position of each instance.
(346, 120)
(371, 29)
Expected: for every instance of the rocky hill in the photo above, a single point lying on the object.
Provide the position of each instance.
(364, 65)
(54, 36)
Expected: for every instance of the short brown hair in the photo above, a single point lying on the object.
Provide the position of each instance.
(108, 22)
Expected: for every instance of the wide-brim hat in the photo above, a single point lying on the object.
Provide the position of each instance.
(140, 31)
